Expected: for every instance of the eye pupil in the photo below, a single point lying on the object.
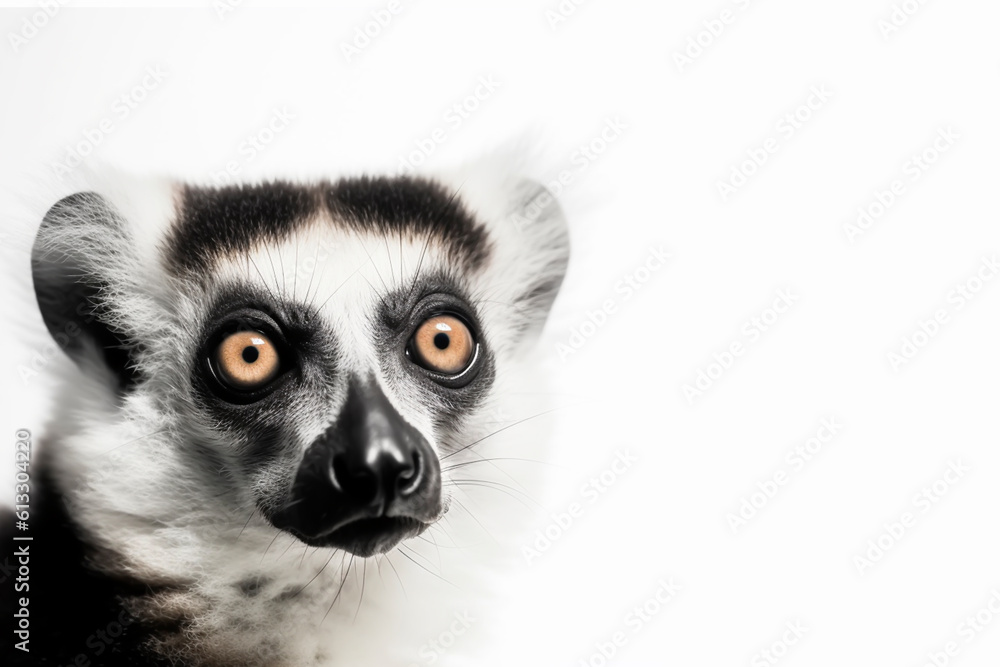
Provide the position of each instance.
(250, 354)
(442, 341)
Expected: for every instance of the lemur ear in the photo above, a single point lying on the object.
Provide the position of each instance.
(80, 237)
(537, 219)
(529, 246)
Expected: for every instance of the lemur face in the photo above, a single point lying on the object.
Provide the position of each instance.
(342, 391)
(318, 353)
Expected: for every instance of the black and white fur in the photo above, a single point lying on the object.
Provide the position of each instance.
(155, 501)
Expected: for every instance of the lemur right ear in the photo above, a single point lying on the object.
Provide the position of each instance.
(80, 238)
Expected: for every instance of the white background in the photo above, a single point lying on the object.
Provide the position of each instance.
(685, 129)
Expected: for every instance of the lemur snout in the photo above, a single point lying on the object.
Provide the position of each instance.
(368, 482)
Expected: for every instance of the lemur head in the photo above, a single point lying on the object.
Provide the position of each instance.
(305, 354)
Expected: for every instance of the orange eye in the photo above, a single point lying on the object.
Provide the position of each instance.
(247, 359)
(443, 344)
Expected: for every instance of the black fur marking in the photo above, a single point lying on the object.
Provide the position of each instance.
(410, 206)
(400, 314)
(216, 222)
(263, 426)
(231, 220)
(288, 593)
(253, 586)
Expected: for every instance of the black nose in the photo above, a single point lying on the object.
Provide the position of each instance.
(381, 464)
(368, 482)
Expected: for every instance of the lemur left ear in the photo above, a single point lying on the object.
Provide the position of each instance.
(529, 250)
(79, 241)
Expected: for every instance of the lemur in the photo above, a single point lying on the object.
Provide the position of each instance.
(276, 385)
